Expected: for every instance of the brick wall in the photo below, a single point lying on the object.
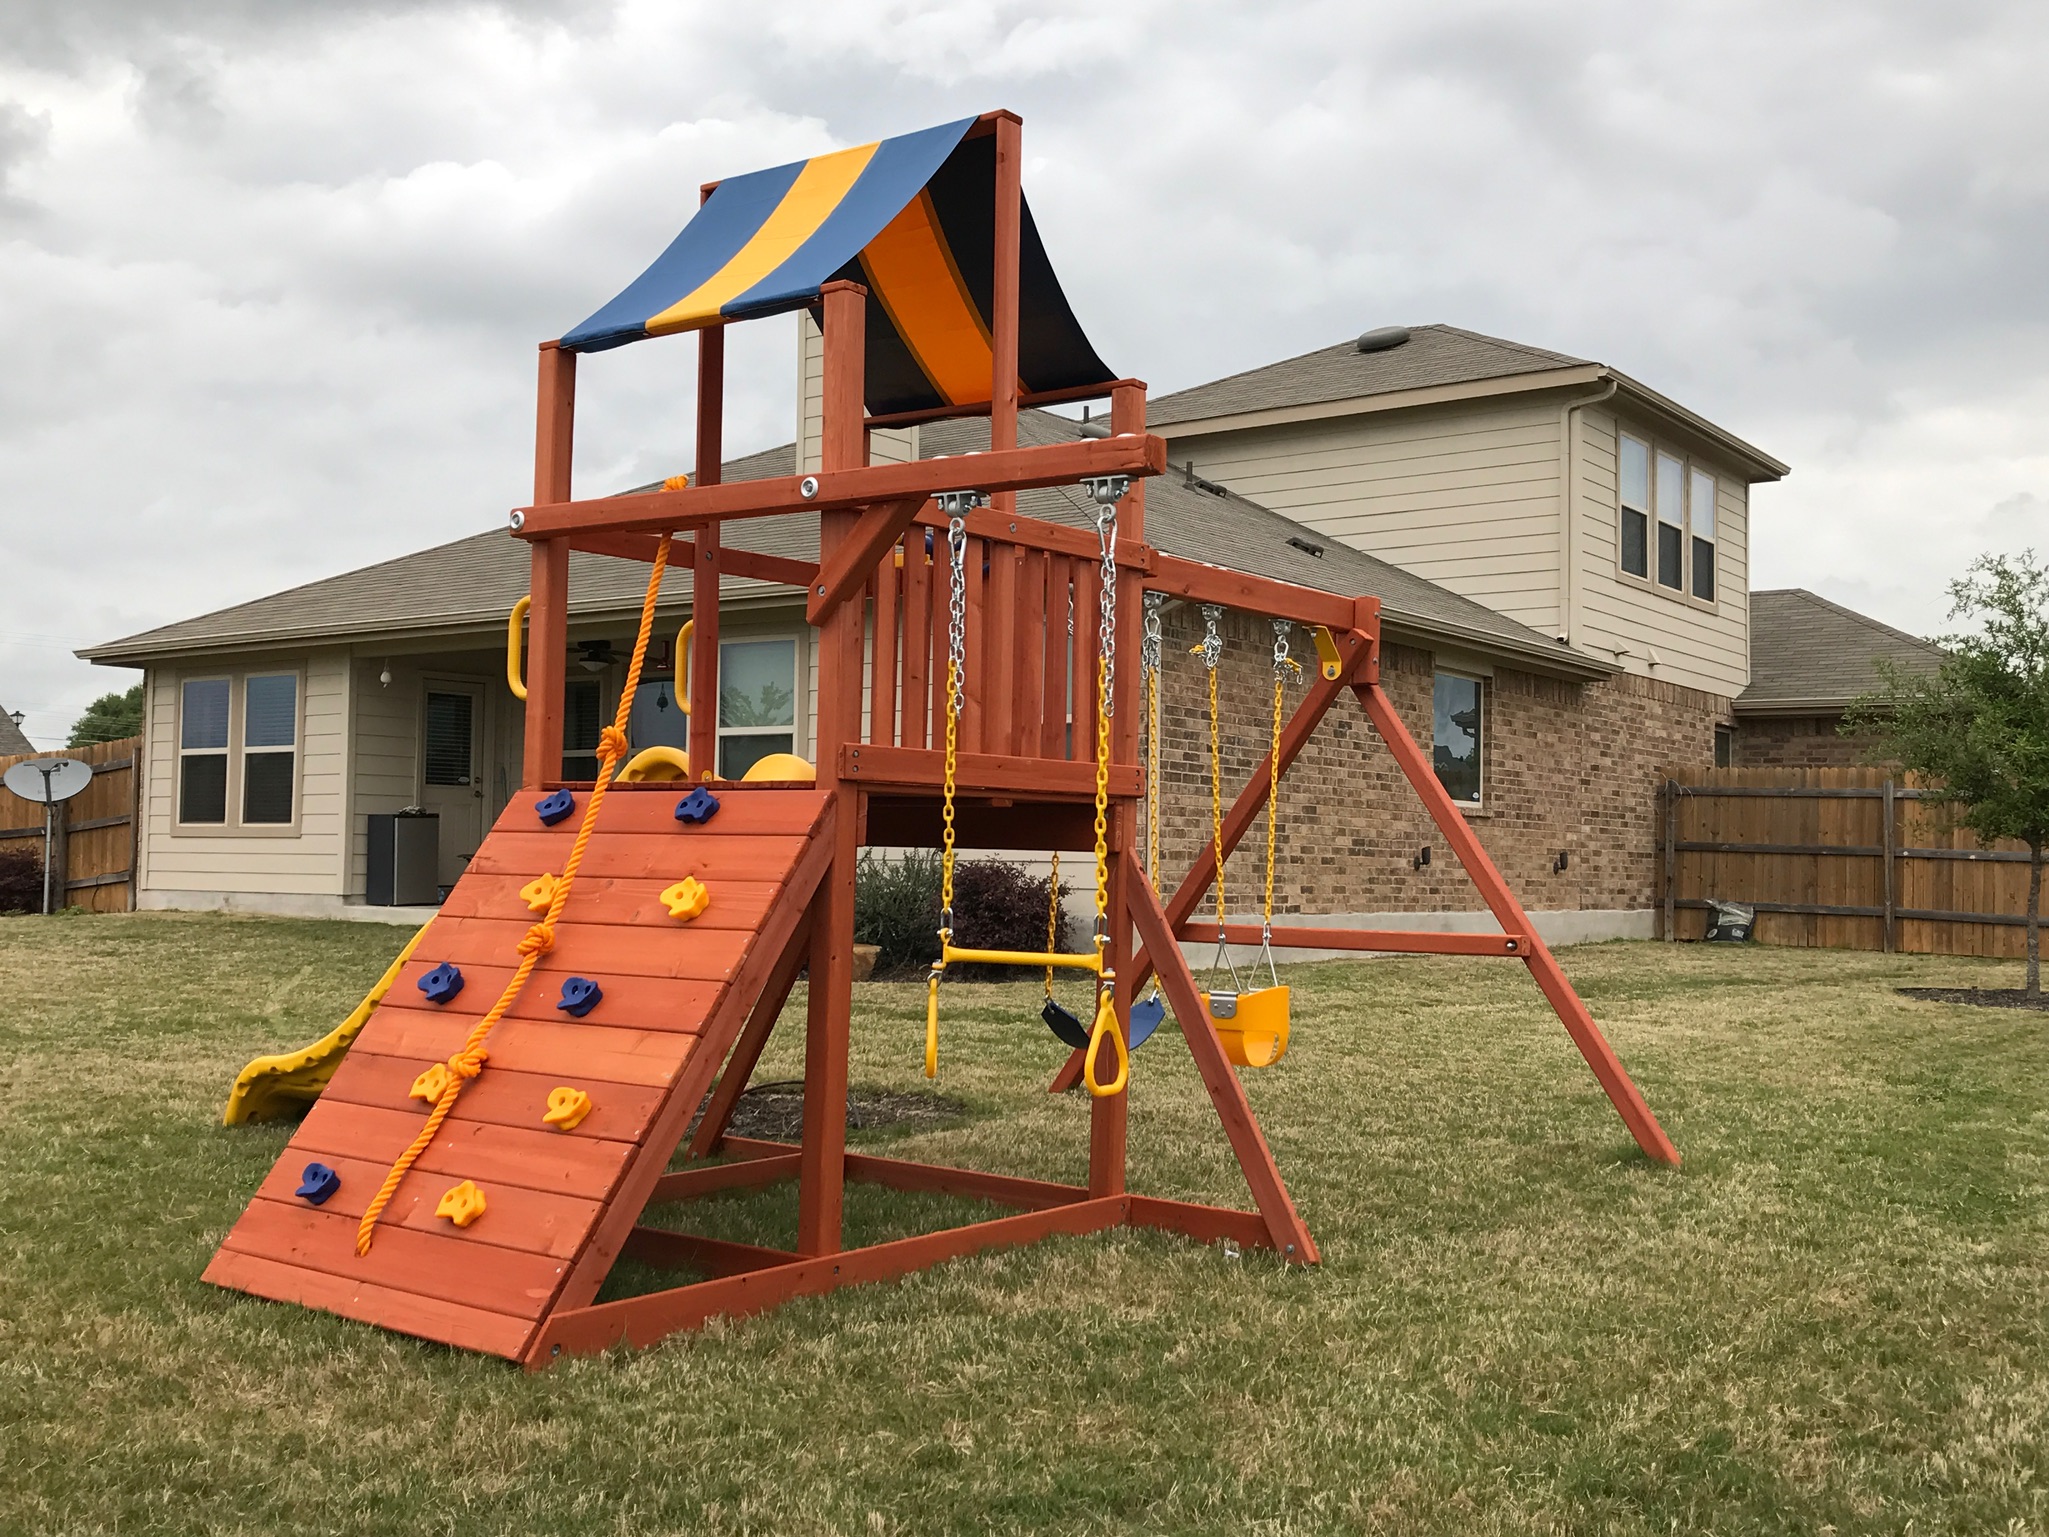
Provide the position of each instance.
(1567, 767)
(1798, 741)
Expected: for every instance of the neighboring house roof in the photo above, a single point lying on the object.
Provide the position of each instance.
(1810, 655)
(469, 586)
(11, 739)
(1436, 363)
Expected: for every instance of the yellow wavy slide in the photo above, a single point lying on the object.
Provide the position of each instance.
(273, 1087)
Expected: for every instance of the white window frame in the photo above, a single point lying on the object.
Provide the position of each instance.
(1690, 468)
(233, 825)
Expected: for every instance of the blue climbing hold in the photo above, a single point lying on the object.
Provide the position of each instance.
(698, 807)
(554, 807)
(579, 996)
(317, 1182)
(1146, 1015)
(442, 983)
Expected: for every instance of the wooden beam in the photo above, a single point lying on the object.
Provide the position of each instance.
(1201, 583)
(547, 661)
(667, 1250)
(854, 561)
(1284, 1225)
(683, 556)
(743, 1174)
(718, 1110)
(1025, 398)
(922, 768)
(1004, 1189)
(1508, 912)
(643, 1320)
(708, 562)
(841, 490)
(1377, 941)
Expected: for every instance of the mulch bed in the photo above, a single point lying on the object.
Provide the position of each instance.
(775, 1111)
(1983, 997)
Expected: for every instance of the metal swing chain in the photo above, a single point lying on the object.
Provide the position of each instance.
(956, 666)
(1107, 490)
(1283, 663)
(1211, 650)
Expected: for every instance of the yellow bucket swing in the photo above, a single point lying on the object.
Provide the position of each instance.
(1104, 1038)
(1253, 1024)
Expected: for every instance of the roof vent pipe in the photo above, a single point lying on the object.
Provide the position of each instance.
(1384, 338)
(1093, 429)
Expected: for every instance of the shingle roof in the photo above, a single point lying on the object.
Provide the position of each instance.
(11, 739)
(1807, 651)
(1433, 355)
(473, 582)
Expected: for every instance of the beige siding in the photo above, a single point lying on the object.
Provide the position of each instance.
(886, 446)
(307, 861)
(1465, 495)
(387, 770)
(1620, 617)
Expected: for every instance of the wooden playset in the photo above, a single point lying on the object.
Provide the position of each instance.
(618, 952)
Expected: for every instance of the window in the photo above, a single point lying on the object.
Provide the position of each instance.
(1455, 736)
(582, 722)
(238, 747)
(1636, 506)
(203, 751)
(757, 702)
(270, 739)
(1725, 746)
(451, 728)
(1701, 509)
(1666, 513)
(1671, 521)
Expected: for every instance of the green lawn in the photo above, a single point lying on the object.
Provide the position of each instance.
(1835, 1318)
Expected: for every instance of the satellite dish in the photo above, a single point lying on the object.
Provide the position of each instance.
(48, 780)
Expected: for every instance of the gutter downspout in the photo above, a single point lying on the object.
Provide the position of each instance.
(1568, 509)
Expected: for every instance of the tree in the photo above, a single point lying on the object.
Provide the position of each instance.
(109, 718)
(1979, 728)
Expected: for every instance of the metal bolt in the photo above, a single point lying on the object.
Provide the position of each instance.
(808, 486)
(518, 521)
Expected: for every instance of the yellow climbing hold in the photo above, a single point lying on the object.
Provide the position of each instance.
(430, 1084)
(566, 1108)
(539, 893)
(462, 1205)
(686, 899)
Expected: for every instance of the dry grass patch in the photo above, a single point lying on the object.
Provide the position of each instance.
(1831, 1319)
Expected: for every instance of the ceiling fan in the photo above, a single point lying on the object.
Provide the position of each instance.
(597, 655)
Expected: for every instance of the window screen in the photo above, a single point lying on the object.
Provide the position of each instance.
(1636, 506)
(270, 711)
(203, 751)
(1671, 499)
(451, 725)
(267, 781)
(757, 703)
(1701, 507)
(582, 720)
(1455, 736)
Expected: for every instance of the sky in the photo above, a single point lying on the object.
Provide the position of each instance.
(272, 276)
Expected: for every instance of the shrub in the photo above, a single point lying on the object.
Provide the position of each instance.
(21, 881)
(997, 906)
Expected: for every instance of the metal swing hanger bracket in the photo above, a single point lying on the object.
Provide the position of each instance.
(958, 504)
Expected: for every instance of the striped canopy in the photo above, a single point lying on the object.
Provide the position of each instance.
(912, 218)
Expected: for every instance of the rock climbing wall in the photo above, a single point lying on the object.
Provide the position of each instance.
(672, 991)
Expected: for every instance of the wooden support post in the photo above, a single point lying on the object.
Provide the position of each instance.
(1889, 839)
(829, 1011)
(1291, 1238)
(1669, 794)
(705, 570)
(57, 849)
(548, 618)
(1508, 912)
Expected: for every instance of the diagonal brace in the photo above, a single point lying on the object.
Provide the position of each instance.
(847, 570)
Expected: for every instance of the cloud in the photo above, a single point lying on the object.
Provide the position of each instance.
(273, 275)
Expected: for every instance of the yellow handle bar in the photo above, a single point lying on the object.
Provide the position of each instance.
(1090, 962)
(513, 680)
(683, 664)
(932, 1025)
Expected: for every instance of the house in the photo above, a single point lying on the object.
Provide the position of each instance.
(1808, 659)
(1550, 695)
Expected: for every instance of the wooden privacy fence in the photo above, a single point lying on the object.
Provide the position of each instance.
(93, 861)
(1850, 858)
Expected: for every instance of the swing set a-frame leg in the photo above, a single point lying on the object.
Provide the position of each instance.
(1508, 912)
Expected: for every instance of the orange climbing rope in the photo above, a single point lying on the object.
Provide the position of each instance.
(538, 940)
